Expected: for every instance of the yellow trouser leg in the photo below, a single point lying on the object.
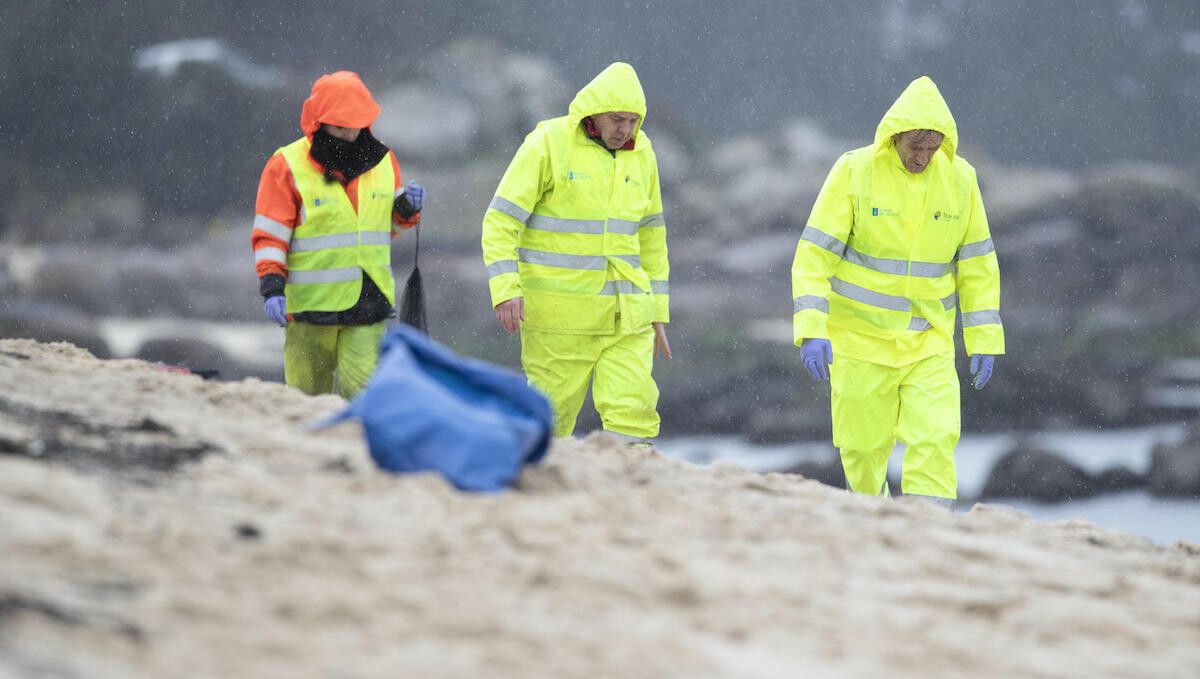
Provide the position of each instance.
(560, 366)
(865, 403)
(624, 390)
(357, 355)
(313, 353)
(310, 357)
(929, 425)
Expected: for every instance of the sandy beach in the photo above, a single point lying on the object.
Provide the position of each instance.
(158, 525)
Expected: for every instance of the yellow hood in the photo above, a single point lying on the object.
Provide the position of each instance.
(616, 88)
(919, 107)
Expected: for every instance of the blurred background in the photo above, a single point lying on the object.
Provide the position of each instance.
(135, 132)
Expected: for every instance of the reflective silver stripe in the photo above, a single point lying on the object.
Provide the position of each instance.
(325, 276)
(337, 240)
(897, 266)
(977, 249)
(509, 208)
(821, 239)
(627, 438)
(341, 240)
(660, 287)
(810, 302)
(948, 503)
(929, 269)
(503, 266)
(973, 318)
(397, 193)
(376, 237)
(270, 255)
(620, 287)
(278, 229)
(892, 266)
(949, 301)
(633, 260)
(919, 324)
(557, 225)
(653, 220)
(623, 227)
(859, 294)
(563, 261)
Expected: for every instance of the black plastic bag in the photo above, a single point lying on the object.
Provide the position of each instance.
(412, 301)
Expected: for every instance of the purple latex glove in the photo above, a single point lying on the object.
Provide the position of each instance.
(416, 195)
(817, 355)
(981, 369)
(276, 309)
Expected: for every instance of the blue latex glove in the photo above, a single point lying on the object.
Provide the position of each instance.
(276, 309)
(981, 369)
(415, 193)
(817, 355)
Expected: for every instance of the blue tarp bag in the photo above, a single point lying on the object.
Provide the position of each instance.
(427, 408)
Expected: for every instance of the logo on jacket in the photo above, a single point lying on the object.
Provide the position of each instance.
(946, 216)
(631, 180)
(573, 175)
(883, 212)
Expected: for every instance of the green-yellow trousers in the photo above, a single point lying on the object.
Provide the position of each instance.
(876, 405)
(619, 367)
(313, 353)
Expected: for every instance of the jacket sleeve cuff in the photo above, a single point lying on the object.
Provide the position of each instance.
(271, 285)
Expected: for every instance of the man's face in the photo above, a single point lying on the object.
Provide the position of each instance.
(344, 133)
(916, 148)
(615, 127)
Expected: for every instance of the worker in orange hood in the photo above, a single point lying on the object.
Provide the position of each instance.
(328, 205)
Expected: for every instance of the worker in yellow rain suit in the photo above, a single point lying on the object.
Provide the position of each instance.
(898, 238)
(575, 246)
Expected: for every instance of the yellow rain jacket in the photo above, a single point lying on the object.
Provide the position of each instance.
(578, 230)
(888, 255)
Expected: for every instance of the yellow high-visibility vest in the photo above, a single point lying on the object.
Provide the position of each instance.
(332, 246)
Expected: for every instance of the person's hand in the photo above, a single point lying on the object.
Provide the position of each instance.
(510, 313)
(275, 307)
(416, 195)
(661, 346)
(817, 355)
(981, 369)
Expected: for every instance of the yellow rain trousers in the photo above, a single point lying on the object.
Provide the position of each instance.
(626, 397)
(313, 353)
(884, 263)
(578, 232)
(876, 405)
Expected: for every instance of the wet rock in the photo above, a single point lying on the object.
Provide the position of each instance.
(111, 216)
(828, 473)
(1036, 475)
(1175, 470)
(508, 93)
(1117, 480)
(448, 125)
(197, 356)
(47, 322)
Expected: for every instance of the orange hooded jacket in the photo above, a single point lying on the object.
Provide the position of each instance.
(339, 99)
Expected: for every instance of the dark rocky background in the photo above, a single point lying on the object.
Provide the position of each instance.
(134, 133)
